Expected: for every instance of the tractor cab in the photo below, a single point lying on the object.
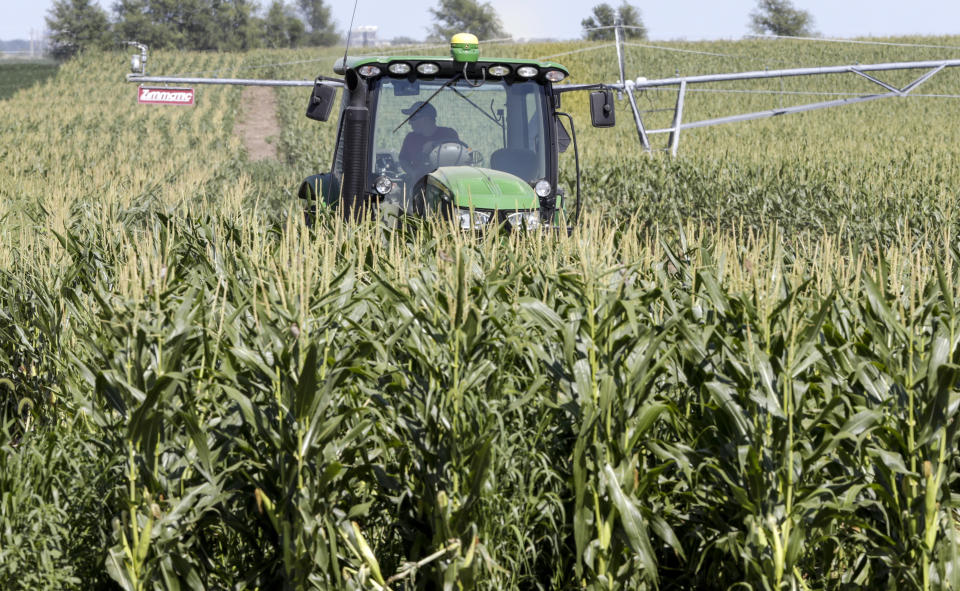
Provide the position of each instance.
(474, 140)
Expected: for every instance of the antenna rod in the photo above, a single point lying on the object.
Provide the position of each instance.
(349, 31)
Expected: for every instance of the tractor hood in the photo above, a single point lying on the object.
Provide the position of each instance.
(483, 188)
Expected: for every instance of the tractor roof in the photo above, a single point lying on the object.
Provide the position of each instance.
(413, 60)
(464, 51)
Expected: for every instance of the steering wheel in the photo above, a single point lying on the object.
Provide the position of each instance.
(387, 162)
(453, 153)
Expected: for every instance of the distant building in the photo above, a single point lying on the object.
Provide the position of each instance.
(366, 36)
(36, 47)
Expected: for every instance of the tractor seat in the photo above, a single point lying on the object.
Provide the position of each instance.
(516, 161)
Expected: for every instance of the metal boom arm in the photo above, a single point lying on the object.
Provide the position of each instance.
(139, 75)
(890, 91)
(227, 81)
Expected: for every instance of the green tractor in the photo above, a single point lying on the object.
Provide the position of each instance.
(475, 141)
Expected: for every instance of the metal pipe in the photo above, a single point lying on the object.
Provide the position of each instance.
(909, 87)
(229, 81)
(637, 120)
(775, 112)
(619, 43)
(875, 81)
(644, 140)
(808, 107)
(677, 120)
(760, 74)
(797, 72)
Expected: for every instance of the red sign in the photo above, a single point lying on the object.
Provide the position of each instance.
(148, 95)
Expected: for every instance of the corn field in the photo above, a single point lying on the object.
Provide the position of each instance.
(739, 371)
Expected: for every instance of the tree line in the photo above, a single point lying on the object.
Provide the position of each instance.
(774, 17)
(220, 25)
(225, 25)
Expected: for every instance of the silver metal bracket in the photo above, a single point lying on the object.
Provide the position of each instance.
(138, 66)
(138, 63)
(627, 86)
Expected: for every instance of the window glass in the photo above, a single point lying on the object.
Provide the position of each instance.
(503, 122)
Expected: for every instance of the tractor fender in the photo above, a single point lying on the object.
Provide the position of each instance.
(315, 188)
(315, 192)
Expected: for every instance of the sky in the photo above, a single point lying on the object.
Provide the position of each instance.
(560, 19)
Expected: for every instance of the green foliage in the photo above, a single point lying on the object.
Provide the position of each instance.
(321, 29)
(281, 28)
(404, 40)
(55, 488)
(740, 370)
(780, 17)
(465, 16)
(17, 75)
(76, 25)
(27, 357)
(597, 27)
(306, 23)
(190, 24)
(193, 24)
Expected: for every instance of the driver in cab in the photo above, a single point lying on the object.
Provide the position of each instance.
(426, 135)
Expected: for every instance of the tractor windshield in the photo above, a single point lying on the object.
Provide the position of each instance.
(500, 125)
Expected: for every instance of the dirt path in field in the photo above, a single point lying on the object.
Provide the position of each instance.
(258, 122)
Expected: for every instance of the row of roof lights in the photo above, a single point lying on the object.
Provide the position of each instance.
(429, 69)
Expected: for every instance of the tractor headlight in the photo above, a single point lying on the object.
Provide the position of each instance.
(471, 219)
(526, 71)
(524, 219)
(498, 70)
(554, 75)
(428, 68)
(383, 185)
(399, 68)
(369, 71)
(543, 188)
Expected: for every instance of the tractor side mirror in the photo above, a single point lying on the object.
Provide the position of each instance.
(601, 108)
(321, 102)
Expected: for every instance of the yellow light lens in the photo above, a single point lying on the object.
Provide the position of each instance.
(368, 71)
(498, 70)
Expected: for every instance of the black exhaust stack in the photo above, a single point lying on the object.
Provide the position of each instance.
(356, 126)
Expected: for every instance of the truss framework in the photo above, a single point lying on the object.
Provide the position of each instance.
(933, 68)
